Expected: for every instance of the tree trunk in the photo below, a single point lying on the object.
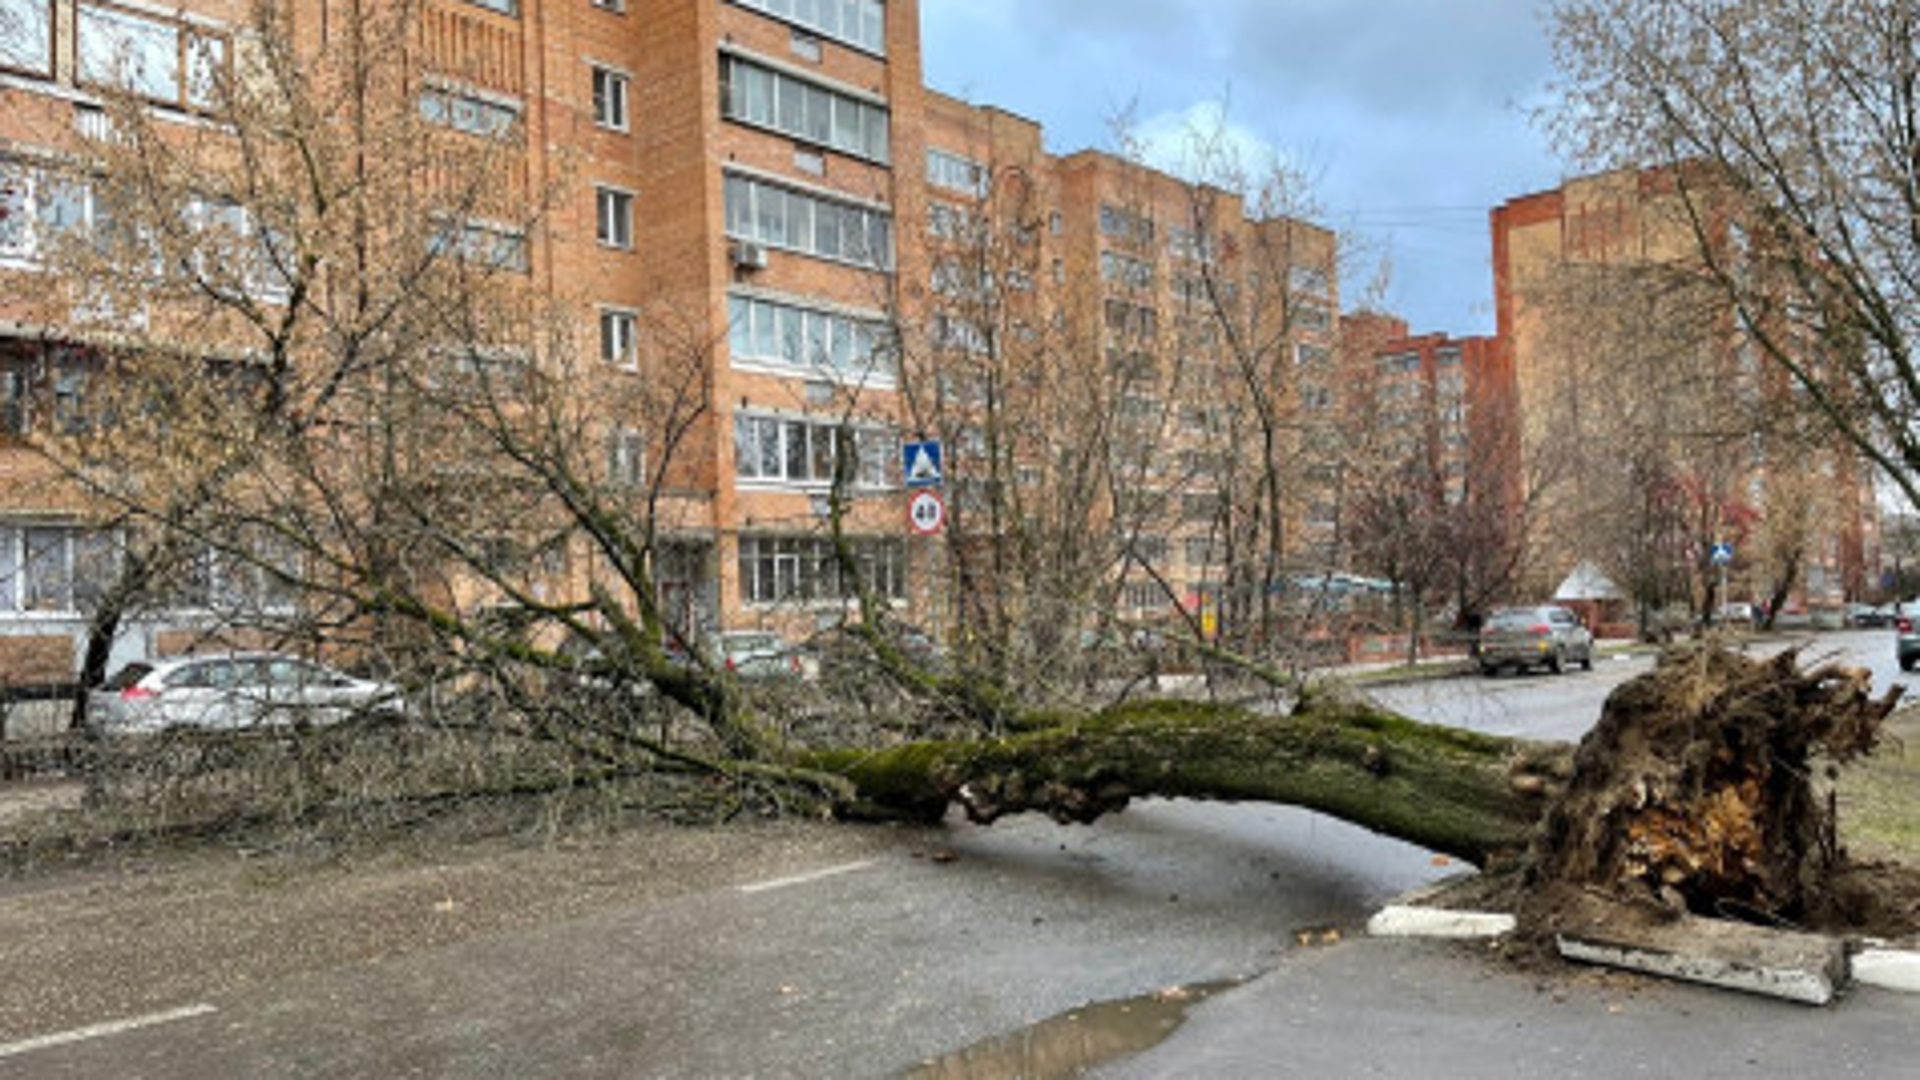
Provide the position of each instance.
(1472, 796)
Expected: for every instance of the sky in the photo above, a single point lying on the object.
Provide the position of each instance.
(1409, 118)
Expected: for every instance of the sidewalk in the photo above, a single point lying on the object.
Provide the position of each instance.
(1375, 1008)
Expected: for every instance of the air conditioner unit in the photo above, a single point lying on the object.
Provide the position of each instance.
(749, 256)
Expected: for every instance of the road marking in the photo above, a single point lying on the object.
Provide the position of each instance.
(806, 879)
(102, 1031)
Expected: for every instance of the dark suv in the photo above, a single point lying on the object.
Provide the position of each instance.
(1547, 636)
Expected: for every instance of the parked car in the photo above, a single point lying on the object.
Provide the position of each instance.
(235, 690)
(1544, 635)
(757, 654)
(1906, 639)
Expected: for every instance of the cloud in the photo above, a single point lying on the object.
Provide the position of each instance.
(1203, 142)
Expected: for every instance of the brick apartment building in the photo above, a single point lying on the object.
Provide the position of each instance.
(1603, 229)
(771, 176)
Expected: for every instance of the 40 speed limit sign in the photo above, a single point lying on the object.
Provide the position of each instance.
(926, 513)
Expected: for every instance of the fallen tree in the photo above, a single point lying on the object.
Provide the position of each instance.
(1700, 789)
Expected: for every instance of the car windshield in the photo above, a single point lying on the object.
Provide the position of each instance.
(737, 644)
(1515, 620)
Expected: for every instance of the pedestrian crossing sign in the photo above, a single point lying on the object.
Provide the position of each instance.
(921, 464)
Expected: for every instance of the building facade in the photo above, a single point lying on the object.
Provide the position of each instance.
(770, 184)
(1627, 366)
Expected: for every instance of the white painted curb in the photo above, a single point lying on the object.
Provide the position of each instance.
(1400, 920)
(1888, 969)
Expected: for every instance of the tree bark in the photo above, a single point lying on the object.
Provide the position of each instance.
(1471, 796)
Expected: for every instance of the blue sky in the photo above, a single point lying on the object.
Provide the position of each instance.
(1408, 116)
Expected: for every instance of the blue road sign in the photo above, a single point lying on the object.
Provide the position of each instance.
(1722, 554)
(920, 464)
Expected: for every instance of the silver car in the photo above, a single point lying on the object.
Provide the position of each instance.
(1546, 636)
(231, 691)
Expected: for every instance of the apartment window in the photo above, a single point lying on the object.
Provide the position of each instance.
(784, 569)
(614, 217)
(610, 98)
(1124, 224)
(626, 459)
(26, 37)
(1143, 596)
(754, 94)
(13, 402)
(1122, 270)
(1312, 355)
(619, 344)
(155, 57)
(774, 333)
(1311, 280)
(1200, 551)
(618, 7)
(468, 112)
(16, 210)
(504, 7)
(790, 450)
(480, 243)
(859, 23)
(957, 174)
(54, 569)
(810, 224)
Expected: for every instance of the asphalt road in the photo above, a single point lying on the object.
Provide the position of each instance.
(863, 953)
(1563, 707)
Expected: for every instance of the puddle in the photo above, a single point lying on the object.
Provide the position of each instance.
(1070, 1044)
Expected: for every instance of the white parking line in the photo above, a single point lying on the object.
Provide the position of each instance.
(102, 1031)
(806, 879)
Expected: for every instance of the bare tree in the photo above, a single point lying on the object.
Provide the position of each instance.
(1789, 129)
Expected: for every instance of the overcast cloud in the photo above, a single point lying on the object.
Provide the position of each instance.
(1408, 115)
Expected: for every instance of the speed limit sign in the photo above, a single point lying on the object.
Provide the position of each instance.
(926, 512)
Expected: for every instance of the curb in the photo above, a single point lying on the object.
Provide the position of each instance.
(1873, 964)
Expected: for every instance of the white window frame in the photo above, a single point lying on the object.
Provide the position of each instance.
(876, 448)
(788, 216)
(958, 173)
(613, 217)
(612, 94)
(776, 335)
(16, 59)
(200, 55)
(766, 94)
(626, 459)
(619, 337)
(869, 32)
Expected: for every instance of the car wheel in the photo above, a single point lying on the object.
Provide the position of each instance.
(1490, 670)
(1556, 663)
(1586, 659)
(1906, 663)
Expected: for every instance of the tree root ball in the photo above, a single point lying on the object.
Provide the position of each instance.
(1696, 791)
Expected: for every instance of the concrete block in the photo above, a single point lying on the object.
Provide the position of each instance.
(1804, 968)
(1888, 969)
(1400, 920)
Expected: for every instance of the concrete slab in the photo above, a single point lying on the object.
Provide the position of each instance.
(1804, 968)
(1888, 969)
(1402, 920)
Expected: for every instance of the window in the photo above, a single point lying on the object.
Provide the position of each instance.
(1124, 224)
(13, 402)
(1200, 551)
(618, 338)
(859, 23)
(610, 98)
(1142, 596)
(791, 220)
(957, 174)
(791, 450)
(495, 247)
(26, 37)
(156, 58)
(16, 210)
(626, 459)
(751, 93)
(618, 7)
(1122, 270)
(1311, 280)
(614, 217)
(764, 332)
(54, 568)
(504, 7)
(468, 112)
(776, 569)
(1312, 355)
